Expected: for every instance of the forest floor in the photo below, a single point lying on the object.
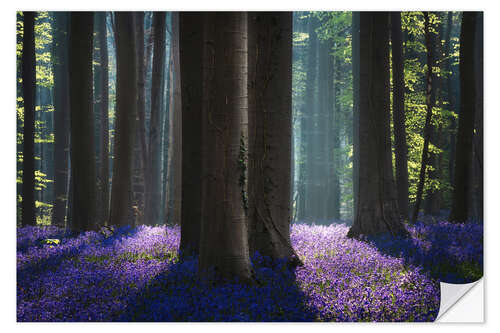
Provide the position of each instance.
(135, 275)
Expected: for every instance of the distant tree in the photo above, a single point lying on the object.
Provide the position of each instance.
(223, 238)
(29, 84)
(377, 210)
(153, 195)
(82, 122)
(190, 44)
(463, 163)
(401, 149)
(430, 99)
(269, 133)
(126, 107)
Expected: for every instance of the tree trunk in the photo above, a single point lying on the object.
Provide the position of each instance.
(101, 90)
(153, 206)
(82, 122)
(377, 210)
(401, 148)
(463, 163)
(29, 85)
(451, 97)
(126, 108)
(223, 238)
(61, 117)
(478, 137)
(191, 57)
(270, 132)
(355, 110)
(428, 126)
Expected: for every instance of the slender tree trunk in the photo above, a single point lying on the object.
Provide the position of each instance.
(377, 210)
(190, 44)
(223, 238)
(176, 128)
(451, 97)
(126, 108)
(336, 158)
(355, 109)
(82, 121)
(401, 148)
(270, 132)
(29, 85)
(153, 206)
(61, 117)
(463, 163)
(428, 126)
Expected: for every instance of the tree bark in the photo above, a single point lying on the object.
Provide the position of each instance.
(428, 126)
(478, 137)
(153, 206)
(82, 122)
(401, 149)
(377, 210)
(223, 238)
(463, 163)
(270, 132)
(61, 117)
(126, 108)
(355, 110)
(29, 85)
(190, 44)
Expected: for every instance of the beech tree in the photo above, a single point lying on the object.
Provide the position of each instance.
(82, 122)
(28, 76)
(126, 107)
(269, 133)
(377, 209)
(463, 162)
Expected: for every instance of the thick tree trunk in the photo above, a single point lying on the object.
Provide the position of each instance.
(463, 163)
(270, 132)
(190, 44)
(61, 117)
(126, 107)
(153, 206)
(377, 210)
(82, 122)
(478, 137)
(401, 148)
(429, 42)
(223, 238)
(355, 110)
(29, 84)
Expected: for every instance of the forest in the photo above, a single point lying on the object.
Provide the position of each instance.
(247, 166)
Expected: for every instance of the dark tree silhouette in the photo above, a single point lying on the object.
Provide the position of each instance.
(463, 163)
(355, 109)
(82, 122)
(28, 76)
(126, 107)
(377, 210)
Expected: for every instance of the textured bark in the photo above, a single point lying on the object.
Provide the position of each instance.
(377, 210)
(61, 117)
(153, 195)
(355, 109)
(270, 132)
(223, 238)
(190, 44)
(401, 149)
(463, 162)
(126, 108)
(102, 106)
(29, 85)
(82, 122)
(429, 42)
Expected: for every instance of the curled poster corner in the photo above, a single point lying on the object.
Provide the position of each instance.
(461, 302)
